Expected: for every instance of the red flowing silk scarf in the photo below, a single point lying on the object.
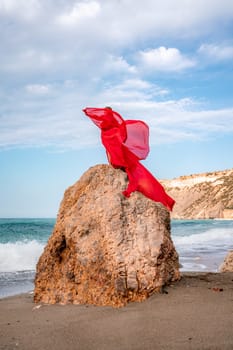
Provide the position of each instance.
(126, 142)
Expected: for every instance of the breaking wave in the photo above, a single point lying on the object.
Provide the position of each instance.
(215, 239)
(20, 256)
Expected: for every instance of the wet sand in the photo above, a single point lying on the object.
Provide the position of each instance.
(194, 313)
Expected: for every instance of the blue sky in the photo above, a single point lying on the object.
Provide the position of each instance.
(169, 63)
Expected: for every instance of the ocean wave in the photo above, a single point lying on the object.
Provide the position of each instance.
(212, 239)
(20, 256)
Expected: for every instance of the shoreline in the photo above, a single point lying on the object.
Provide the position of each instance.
(183, 275)
(194, 313)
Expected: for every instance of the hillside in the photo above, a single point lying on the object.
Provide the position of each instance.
(202, 196)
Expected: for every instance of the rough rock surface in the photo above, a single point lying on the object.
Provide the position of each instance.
(202, 196)
(106, 249)
(227, 265)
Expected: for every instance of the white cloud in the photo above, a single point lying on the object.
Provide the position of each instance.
(93, 31)
(60, 123)
(118, 64)
(133, 89)
(32, 61)
(133, 20)
(216, 52)
(24, 9)
(79, 11)
(165, 60)
(58, 56)
(38, 89)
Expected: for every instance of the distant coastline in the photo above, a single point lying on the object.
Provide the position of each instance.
(202, 196)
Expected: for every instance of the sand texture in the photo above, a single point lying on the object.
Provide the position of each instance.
(194, 313)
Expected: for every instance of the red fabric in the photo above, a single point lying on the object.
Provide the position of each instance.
(137, 140)
(127, 142)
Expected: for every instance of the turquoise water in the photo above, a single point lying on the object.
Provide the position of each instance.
(13, 230)
(21, 243)
(201, 244)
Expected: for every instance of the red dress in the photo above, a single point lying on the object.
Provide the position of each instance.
(126, 142)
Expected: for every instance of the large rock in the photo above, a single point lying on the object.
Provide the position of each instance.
(227, 265)
(106, 249)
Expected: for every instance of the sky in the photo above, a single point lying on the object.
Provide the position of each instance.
(168, 63)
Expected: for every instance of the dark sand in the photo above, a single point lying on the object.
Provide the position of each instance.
(195, 313)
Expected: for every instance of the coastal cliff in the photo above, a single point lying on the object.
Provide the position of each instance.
(202, 196)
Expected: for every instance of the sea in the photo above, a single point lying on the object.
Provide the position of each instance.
(201, 244)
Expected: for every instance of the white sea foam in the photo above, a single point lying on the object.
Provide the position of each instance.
(19, 256)
(205, 250)
(212, 239)
(190, 266)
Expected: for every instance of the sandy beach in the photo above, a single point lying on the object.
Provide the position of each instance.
(194, 313)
